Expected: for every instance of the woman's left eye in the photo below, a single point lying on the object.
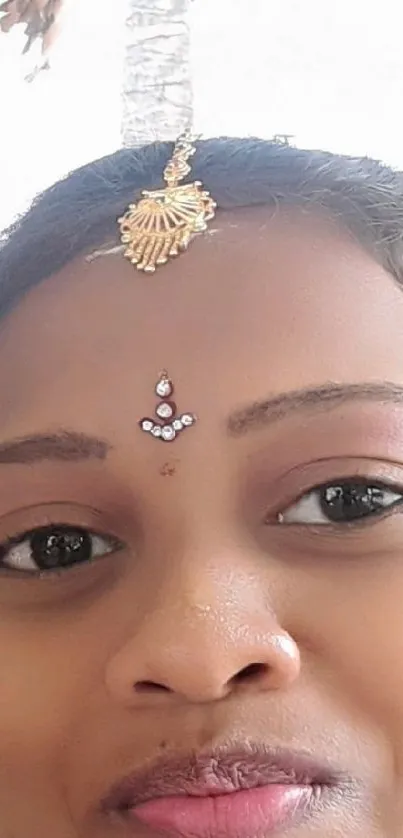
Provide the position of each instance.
(53, 548)
(341, 502)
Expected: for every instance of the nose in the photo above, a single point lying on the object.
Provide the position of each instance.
(204, 650)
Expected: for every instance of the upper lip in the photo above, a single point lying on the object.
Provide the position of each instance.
(214, 772)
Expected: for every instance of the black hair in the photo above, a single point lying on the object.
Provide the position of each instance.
(80, 212)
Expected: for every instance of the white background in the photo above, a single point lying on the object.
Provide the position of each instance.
(331, 74)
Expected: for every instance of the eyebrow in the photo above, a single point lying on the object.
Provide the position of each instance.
(65, 446)
(322, 398)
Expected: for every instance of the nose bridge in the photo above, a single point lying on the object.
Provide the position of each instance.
(212, 590)
(209, 601)
(209, 629)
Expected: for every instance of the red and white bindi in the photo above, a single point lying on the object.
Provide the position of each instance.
(169, 424)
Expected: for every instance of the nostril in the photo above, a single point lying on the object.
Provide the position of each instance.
(150, 687)
(252, 672)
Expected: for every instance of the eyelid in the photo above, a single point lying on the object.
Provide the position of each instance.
(347, 469)
(19, 538)
(352, 524)
(23, 520)
(9, 542)
(383, 483)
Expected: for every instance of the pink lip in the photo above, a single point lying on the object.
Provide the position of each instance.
(241, 814)
(231, 794)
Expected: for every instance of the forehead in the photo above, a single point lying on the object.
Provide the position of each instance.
(258, 304)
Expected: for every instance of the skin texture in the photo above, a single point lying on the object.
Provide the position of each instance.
(208, 581)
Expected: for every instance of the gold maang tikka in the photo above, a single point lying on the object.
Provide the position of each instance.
(163, 222)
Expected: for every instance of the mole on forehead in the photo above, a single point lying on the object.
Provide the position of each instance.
(169, 468)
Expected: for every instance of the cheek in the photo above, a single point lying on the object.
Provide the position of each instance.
(32, 718)
(52, 665)
(358, 638)
(43, 683)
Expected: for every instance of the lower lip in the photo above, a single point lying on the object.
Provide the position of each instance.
(242, 814)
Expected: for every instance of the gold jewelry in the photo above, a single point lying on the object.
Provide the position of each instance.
(164, 221)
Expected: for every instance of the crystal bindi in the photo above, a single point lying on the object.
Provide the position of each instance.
(165, 410)
(168, 433)
(147, 425)
(167, 425)
(164, 388)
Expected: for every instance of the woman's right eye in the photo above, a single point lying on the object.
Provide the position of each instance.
(54, 547)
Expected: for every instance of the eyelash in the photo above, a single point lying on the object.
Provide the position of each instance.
(352, 481)
(18, 539)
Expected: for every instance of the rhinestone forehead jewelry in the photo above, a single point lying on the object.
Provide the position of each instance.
(163, 222)
(169, 423)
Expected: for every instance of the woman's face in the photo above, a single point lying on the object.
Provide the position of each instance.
(242, 610)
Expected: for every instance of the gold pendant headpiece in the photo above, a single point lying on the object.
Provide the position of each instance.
(163, 222)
